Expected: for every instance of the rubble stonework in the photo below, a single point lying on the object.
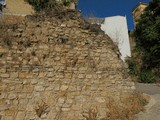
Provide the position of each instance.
(54, 70)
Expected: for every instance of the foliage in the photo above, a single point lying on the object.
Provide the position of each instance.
(133, 70)
(147, 35)
(42, 4)
(146, 77)
(39, 5)
(1, 7)
(67, 2)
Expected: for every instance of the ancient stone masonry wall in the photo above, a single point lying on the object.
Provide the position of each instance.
(54, 70)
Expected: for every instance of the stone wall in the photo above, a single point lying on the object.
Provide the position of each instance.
(52, 69)
(138, 11)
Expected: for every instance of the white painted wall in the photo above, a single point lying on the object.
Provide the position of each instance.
(116, 28)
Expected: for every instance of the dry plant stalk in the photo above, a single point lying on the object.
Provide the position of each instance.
(126, 110)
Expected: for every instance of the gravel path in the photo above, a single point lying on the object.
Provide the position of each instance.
(152, 110)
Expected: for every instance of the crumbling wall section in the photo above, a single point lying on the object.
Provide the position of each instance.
(53, 69)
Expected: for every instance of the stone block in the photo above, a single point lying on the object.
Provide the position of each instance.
(34, 81)
(2, 50)
(12, 96)
(100, 99)
(39, 88)
(23, 101)
(64, 88)
(81, 76)
(14, 75)
(3, 107)
(20, 116)
(4, 75)
(28, 88)
(66, 109)
(61, 100)
(10, 112)
(22, 74)
(88, 76)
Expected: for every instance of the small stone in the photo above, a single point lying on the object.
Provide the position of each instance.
(2, 95)
(30, 117)
(11, 96)
(25, 82)
(83, 69)
(88, 76)
(49, 88)
(8, 118)
(64, 87)
(68, 75)
(133, 87)
(100, 99)
(34, 81)
(3, 107)
(113, 81)
(39, 88)
(81, 76)
(66, 109)
(14, 75)
(56, 87)
(5, 75)
(41, 75)
(63, 25)
(50, 74)
(77, 107)
(80, 99)
(3, 50)
(51, 116)
(57, 58)
(61, 100)
(43, 116)
(36, 70)
(67, 105)
(72, 88)
(57, 49)
(23, 101)
(126, 65)
(20, 116)
(69, 101)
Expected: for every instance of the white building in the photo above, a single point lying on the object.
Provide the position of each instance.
(116, 28)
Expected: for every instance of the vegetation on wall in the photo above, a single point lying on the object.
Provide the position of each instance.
(39, 5)
(147, 34)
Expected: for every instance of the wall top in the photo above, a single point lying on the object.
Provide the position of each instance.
(139, 4)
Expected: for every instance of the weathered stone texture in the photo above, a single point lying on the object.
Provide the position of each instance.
(55, 61)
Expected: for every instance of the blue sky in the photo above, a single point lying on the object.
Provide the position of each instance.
(107, 8)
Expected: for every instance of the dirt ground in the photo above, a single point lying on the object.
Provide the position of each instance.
(152, 109)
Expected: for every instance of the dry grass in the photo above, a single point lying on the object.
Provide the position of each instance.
(125, 111)
(8, 22)
(129, 107)
(5, 39)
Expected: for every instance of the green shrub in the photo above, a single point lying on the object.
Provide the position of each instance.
(146, 77)
(147, 34)
(39, 5)
(133, 70)
(42, 4)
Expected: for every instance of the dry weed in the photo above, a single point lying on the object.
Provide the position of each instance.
(127, 109)
(120, 111)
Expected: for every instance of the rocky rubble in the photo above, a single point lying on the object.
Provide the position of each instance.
(57, 69)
